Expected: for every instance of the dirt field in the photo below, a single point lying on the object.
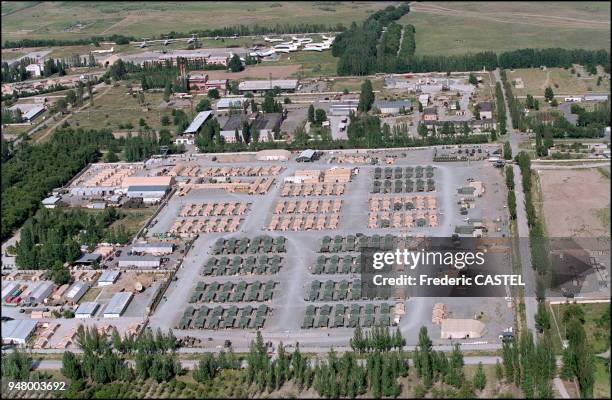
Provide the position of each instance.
(259, 72)
(128, 279)
(576, 202)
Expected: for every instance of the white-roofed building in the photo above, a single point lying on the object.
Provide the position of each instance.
(17, 331)
(86, 309)
(197, 122)
(343, 108)
(117, 304)
(424, 100)
(28, 111)
(51, 202)
(34, 69)
(108, 278)
(227, 103)
(130, 261)
(153, 248)
(76, 291)
(285, 85)
(149, 194)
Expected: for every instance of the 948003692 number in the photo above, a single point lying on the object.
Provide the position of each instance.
(37, 385)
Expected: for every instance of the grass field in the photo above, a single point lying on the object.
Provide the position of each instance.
(461, 27)
(91, 294)
(313, 63)
(597, 329)
(134, 219)
(562, 81)
(117, 107)
(602, 379)
(354, 84)
(145, 19)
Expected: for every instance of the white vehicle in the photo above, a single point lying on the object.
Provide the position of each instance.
(272, 40)
(143, 44)
(192, 39)
(167, 42)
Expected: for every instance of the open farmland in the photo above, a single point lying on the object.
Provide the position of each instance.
(562, 81)
(444, 28)
(574, 201)
(59, 20)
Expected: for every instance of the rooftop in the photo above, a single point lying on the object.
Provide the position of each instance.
(128, 257)
(87, 308)
(392, 104)
(51, 200)
(198, 121)
(146, 181)
(88, 258)
(19, 329)
(227, 102)
(152, 188)
(118, 302)
(109, 276)
(268, 84)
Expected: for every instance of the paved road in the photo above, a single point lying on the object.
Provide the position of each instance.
(191, 364)
(515, 138)
(580, 166)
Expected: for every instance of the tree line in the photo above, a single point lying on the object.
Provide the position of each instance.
(358, 47)
(256, 29)
(16, 72)
(95, 40)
